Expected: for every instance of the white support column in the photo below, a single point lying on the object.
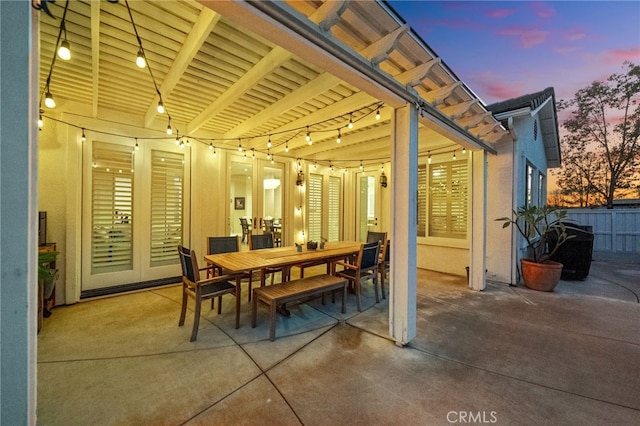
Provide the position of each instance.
(18, 211)
(477, 275)
(404, 189)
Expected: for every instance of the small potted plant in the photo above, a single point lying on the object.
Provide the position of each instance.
(537, 225)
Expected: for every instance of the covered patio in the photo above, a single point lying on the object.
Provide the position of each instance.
(124, 360)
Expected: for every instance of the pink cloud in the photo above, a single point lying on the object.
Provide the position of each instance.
(542, 10)
(500, 13)
(620, 55)
(529, 37)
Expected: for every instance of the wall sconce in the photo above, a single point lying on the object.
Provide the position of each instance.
(300, 178)
(383, 180)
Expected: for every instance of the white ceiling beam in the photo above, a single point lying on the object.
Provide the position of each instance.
(336, 109)
(381, 49)
(328, 14)
(458, 110)
(95, 55)
(483, 131)
(320, 84)
(414, 76)
(207, 20)
(271, 61)
(438, 96)
(474, 120)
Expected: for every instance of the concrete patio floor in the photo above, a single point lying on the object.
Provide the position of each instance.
(507, 355)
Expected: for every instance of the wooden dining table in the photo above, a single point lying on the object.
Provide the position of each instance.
(282, 257)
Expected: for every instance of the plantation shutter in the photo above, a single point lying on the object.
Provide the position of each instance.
(112, 208)
(422, 200)
(335, 195)
(315, 207)
(167, 191)
(448, 199)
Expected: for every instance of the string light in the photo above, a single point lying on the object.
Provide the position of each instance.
(48, 99)
(309, 141)
(253, 153)
(378, 114)
(214, 151)
(239, 146)
(210, 146)
(64, 51)
(188, 142)
(272, 159)
(40, 122)
(137, 147)
(350, 125)
(339, 139)
(244, 153)
(269, 142)
(140, 61)
(286, 148)
(84, 137)
(268, 154)
(361, 166)
(169, 129)
(315, 165)
(177, 138)
(454, 155)
(464, 150)
(429, 157)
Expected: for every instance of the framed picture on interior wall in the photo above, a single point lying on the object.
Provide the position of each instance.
(239, 203)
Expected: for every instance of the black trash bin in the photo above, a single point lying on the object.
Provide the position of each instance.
(575, 254)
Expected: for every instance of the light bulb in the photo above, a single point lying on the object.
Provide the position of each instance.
(84, 137)
(454, 155)
(169, 129)
(286, 148)
(48, 100)
(378, 114)
(64, 52)
(350, 125)
(239, 146)
(269, 142)
(137, 147)
(160, 107)
(429, 160)
(214, 151)
(339, 139)
(40, 122)
(211, 146)
(140, 61)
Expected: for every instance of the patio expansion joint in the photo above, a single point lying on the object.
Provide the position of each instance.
(518, 379)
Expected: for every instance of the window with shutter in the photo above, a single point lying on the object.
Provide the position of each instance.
(167, 192)
(112, 208)
(315, 207)
(448, 199)
(422, 200)
(334, 213)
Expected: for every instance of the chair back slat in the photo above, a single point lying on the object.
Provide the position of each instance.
(260, 241)
(373, 236)
(189, 264)
(370, 255)
(217, 245)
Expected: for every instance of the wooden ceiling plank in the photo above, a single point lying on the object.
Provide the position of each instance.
(271, 61)
(321, 84)
(438, 96)
(203, 26)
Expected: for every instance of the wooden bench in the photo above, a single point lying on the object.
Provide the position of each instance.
(290, 291)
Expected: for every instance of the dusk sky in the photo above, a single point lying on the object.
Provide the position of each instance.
(506, 49)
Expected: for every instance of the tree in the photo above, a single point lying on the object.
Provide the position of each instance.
(605, 121)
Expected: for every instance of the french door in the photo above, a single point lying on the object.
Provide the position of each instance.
(135, 202)
(368, 204)
(256, 193)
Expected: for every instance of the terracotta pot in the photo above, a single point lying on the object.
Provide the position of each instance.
(541, 276)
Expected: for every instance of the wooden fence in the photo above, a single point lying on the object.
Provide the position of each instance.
(615, 230)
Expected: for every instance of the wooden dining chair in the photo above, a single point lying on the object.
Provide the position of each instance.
(201, 290)
(364, 267)
(219, 245)
(264, 241)
(373, 236)
(270, 228)
(384, 266)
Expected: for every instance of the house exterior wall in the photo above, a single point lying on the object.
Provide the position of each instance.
(507, 191)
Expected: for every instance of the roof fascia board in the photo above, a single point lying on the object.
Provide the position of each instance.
(514, 113)
(542, 105)
(281, 24)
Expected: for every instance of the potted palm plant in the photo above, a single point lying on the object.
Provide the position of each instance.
(538, 225)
